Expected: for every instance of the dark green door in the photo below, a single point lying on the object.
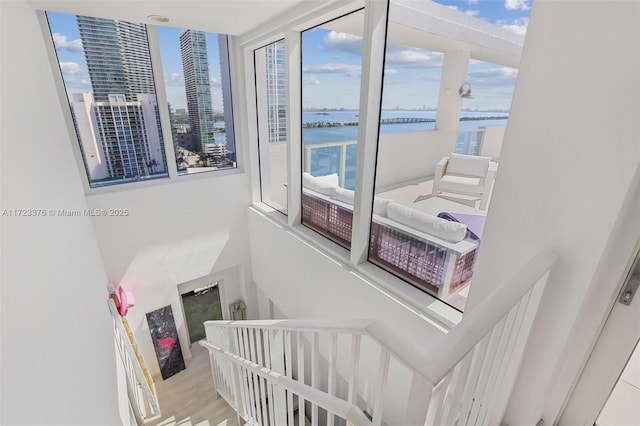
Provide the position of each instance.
(201, 305)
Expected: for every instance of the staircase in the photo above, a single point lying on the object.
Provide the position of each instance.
(359, 372)
(141, 392)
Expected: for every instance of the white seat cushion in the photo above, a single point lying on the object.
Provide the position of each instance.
(347, 196)
(380, 206)
(331, 179)
(324, 185)
(455, 183)
(449, 231)
(469, 165)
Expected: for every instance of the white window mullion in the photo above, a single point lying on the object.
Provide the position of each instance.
(161, 99)
(294, 125)
(373, 51)
(251, 130)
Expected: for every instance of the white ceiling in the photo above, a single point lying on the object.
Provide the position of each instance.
(432, 25)
(234, 17)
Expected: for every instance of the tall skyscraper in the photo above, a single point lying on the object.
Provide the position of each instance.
(195, 63)
(276, 94)
(118, 57)
(118, 124)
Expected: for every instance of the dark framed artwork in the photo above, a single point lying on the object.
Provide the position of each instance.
(164, 335)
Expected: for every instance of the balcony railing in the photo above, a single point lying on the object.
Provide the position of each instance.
(326, 158)
(470, 141)
(339, 157)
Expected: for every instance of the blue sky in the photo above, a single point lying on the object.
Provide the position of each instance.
(66, 36)
(331, 64)
(169, 40)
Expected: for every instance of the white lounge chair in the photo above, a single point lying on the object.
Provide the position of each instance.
(466, 175)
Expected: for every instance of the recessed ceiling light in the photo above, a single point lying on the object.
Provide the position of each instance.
(158, 18)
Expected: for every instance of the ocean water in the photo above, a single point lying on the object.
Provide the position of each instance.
(350, 133)
(326, 160)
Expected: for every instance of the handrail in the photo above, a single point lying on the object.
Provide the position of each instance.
(453, 346)
(142, 379)
(347, 411)
(328, 144)
(444, 354)
(347, 326)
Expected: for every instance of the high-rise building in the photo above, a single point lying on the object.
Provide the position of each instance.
(118, 59)
(276, 94)
(119, 138)
(193, 46)
(118, 124)
(217, 152)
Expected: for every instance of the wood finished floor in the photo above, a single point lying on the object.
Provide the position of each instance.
(187, 398)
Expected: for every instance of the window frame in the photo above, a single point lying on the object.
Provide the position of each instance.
(335, 239)
(356, 261)
(261, 144)
(165, 121)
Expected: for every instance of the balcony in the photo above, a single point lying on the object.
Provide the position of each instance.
(433, 264)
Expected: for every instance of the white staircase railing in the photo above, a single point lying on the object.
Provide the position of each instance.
(143, 399)
(361, 372)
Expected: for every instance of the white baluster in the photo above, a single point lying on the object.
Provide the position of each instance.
(300, 350)
(383, 371)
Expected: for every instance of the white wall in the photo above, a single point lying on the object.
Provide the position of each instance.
(303, 283)
(175, 233)
(492, 141)
(406, 156)
(571, 150)
(58, 364)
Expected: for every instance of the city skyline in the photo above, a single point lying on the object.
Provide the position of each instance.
(336, 65)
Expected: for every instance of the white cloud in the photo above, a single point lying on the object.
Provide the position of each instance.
(75, 76)
(61, 42)
(214, 81)
(518, 26)
(343, 42)
(390, 71)
(174, 79)
(71, 68)
(472, 1)
(516, 5)
(346, 69)
(493, 77)
(310, 80)
(469, 12)
(413, 58)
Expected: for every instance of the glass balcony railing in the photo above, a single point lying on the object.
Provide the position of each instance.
(470, 141)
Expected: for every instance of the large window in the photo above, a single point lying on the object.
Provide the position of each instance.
(109, 80)
(331, 70)
(271, 103)
(196, 76)
(106, 68)
(411, 85)
(435, 186)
